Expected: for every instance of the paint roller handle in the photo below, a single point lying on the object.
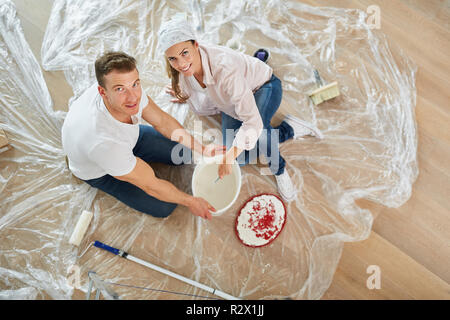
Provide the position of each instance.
(103, 246)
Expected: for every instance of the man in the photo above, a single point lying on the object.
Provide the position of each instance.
(108, 148)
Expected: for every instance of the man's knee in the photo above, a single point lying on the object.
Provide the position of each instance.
(163, 210)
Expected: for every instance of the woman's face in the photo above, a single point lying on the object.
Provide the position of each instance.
(185, 58)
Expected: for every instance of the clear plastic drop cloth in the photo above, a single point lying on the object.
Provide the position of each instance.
(39, 200)
(369, 151)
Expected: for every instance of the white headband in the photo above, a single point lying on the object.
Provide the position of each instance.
(174, 31)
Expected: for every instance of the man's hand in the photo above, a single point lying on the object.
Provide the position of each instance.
(200, 207)
(212, 150)
(144, 177)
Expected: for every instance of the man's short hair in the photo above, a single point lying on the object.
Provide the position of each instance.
(113, 60)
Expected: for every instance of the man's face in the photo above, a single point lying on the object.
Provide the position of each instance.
(122, 94)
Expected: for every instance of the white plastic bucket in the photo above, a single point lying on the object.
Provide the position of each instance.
(221, 194)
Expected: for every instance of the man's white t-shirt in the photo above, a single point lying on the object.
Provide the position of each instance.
(95, 142)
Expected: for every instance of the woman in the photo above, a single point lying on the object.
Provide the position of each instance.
(243, 89)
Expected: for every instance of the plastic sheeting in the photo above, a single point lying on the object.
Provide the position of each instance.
(369, 151)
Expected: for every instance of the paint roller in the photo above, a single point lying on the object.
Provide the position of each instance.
(127, 256)
(80, 230)
(81, 227)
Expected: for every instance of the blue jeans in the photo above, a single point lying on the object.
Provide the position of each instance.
(151, 146)
(268, 99)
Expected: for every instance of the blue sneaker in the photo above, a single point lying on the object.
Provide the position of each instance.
(262, 54)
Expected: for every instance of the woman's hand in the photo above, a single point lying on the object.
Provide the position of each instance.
(170, 91)
(225, 167)
(212, 150)
(224, 170)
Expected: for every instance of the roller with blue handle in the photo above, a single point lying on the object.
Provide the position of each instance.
(125, 255)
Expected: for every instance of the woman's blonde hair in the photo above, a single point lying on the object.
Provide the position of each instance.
(174, 75)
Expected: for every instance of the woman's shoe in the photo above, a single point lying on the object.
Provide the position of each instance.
(262, 54)
(285, 186)
(302, 128)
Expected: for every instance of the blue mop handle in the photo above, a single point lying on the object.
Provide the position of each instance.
(103, 246)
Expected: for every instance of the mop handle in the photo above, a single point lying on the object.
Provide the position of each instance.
(125, 255)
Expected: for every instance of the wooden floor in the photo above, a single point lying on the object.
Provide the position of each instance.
(410, 245)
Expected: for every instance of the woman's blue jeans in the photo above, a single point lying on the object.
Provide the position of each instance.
(268, 99)
(151, 146)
